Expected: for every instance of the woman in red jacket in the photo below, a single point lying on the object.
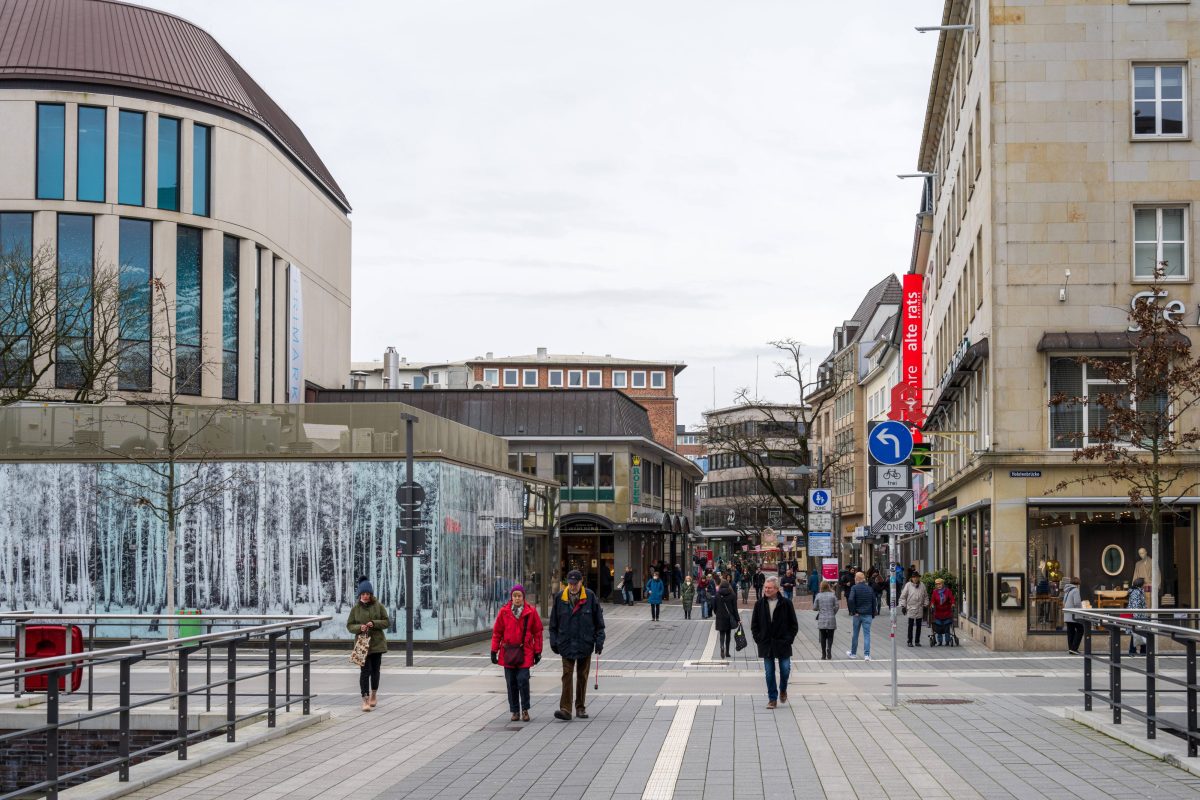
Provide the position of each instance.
(942, 605)
(517, 646)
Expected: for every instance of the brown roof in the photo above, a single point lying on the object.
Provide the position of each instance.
(115, 44)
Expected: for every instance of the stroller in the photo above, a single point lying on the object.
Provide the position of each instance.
(943, 626)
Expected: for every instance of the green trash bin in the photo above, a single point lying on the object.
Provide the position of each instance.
(189, 627)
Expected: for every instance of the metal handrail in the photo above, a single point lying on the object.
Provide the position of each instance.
(60, 667)
(1118, 621)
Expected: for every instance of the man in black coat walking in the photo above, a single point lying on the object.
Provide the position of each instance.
(576, 631)
(774, 627)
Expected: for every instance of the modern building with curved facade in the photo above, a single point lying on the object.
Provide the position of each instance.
(132, 139)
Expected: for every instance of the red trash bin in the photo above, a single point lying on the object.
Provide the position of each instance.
(46, 641)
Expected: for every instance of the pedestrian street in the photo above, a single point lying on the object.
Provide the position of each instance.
(671, 720)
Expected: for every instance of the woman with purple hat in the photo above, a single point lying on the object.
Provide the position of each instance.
(517, 646)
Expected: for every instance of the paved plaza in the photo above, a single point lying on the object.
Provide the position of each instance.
(672, 720)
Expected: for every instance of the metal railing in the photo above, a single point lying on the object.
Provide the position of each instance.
(1169, 671)
(256, 641)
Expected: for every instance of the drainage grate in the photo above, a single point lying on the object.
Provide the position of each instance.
(940, 701)
(912, 685)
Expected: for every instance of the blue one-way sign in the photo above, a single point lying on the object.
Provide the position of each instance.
(889, 443)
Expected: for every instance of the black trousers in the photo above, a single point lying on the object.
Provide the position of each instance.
(725, 637)
(654, 607)
(826, 641)
(517, 681)
(914, 630)
(1074, 635)
(368, 674)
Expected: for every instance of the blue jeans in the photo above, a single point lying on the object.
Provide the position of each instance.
(627, 594)
(862, 622)
(704, 611)
(785, 669)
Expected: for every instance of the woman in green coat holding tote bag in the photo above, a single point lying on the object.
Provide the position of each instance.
(687, 594)
(369, 616)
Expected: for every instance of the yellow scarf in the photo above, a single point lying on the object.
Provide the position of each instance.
(582, 593)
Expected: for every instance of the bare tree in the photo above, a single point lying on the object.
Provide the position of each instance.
(52, 320)
(1138, 434)
(774, 442)
(177, 440)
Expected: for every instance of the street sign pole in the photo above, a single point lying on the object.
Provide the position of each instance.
(892, 597)
(410, 550)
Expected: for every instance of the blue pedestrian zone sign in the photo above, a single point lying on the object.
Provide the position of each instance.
(818, 499)
(890, 443)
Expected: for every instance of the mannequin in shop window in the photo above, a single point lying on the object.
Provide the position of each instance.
(1144, 569)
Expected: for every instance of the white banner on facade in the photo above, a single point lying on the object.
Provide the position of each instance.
(295, 339)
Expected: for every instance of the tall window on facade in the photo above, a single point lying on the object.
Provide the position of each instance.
(16, 248)
(1075, 424)
(201, 179)
(51, 150)
(168, 163)
(583, 471)
(229, 318)
(76, 253)
(1158, 100)
(1160, 240)
(605, 470)
(89, 184)
(131, 158)
(560, 468)
(258, 257)
(133, 363)
(188, 363)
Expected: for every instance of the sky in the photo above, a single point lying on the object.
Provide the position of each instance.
(680, 180)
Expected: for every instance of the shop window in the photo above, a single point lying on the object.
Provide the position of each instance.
(131, 158)
(985, 567)
(1107, 548)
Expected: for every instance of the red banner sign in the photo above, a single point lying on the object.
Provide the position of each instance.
(912, 311)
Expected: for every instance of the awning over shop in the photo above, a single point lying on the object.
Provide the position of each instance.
(1115, 341)
(933, 508)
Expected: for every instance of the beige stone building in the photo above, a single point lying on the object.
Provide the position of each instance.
(1064, 167)
(133, 140)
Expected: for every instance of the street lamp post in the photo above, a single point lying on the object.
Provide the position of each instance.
(408, 529)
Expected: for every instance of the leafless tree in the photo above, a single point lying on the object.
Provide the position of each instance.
(775, 442)
(50, 319)
(1139, 435)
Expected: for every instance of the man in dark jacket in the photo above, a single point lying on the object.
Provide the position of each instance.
(774, 627)
(758, 581)
(576, 630)
(863, 605)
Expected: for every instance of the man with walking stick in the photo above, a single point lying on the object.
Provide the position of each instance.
(576, 631)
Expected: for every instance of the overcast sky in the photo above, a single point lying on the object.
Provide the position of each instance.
(663, 179)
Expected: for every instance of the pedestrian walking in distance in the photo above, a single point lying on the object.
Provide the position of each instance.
(913, 602)
(760, 578)
(774, 627)
(863, 606)
(517, 646)
(627, 586)
(1137, 599)
(825, 603)
(654, 594)
(788, 584)
(1071, 600)
(576, 631)
(369, 616)
(687, 596)
(727, 616)
(942, 612)
(814, 584)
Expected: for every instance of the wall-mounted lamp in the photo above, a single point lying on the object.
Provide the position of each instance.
(1062, 292)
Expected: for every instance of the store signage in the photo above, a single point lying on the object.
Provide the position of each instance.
(295, 346)
(906, 404)
(1172, 311)
(829, 569)
(955, 361)
(1025, 473)
(636, 479)
(910, 331)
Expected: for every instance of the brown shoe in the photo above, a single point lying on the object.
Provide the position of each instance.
(563, 715)
(515, 717)
(581, 713)
(366, 705)
(524, 716)
(783, 697)
(373, 700)
(771, 705)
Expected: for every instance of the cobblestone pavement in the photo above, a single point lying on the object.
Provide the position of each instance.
(667, 721)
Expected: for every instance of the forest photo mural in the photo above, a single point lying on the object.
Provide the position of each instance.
(290, 537)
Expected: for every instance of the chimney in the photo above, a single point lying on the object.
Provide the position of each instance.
(490, 355)
(542, 354)
(391, 369)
